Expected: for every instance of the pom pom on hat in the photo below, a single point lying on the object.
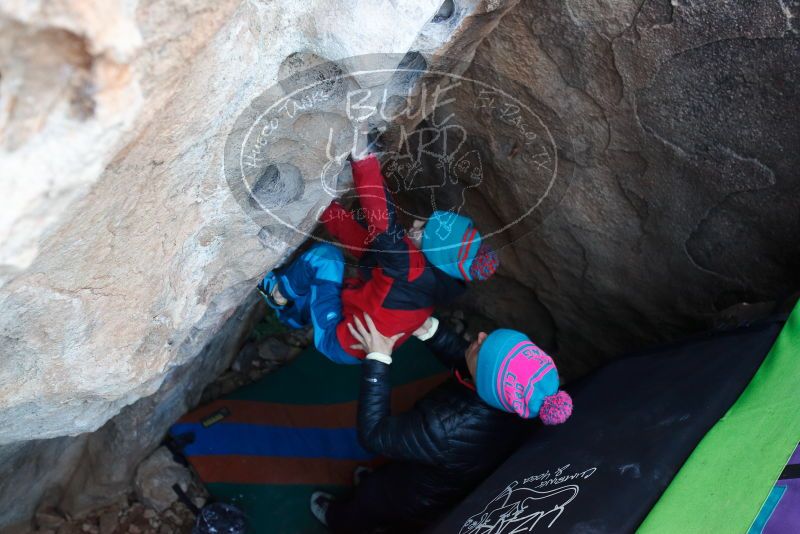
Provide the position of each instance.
(485, 263)
(556, 409)
(515, 375)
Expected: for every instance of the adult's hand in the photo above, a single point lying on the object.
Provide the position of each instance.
(369, 337)
(428, 329)
(423, 329)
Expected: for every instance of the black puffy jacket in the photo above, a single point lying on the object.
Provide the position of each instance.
(456, 437)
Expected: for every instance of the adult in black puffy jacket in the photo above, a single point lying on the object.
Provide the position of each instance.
(453, 437)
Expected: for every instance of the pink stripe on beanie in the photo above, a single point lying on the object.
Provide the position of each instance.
(515, 375)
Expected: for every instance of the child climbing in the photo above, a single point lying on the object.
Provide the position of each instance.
(398, 284)
(454, 437)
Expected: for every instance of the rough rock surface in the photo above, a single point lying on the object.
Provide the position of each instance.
(77, 474)
(155, 478)
(677, 192)
(125, 258)
(117, 270)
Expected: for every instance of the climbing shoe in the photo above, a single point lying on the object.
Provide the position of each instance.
(320, 501)
(267, 289)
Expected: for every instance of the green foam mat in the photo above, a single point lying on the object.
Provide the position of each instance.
(727, 478)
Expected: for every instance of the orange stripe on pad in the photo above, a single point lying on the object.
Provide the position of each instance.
(277, 470)
(340, 415)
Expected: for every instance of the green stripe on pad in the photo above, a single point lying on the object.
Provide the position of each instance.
(313, 379)
(723, 484)
(274, 509)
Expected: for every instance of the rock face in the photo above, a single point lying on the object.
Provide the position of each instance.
(126, 262)
(120, 261)
(676, 192)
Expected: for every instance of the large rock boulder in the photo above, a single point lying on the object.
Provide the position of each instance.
(123, 238)
(660, 185)
(126, 259)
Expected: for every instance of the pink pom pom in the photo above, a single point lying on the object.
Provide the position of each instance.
(556, 408)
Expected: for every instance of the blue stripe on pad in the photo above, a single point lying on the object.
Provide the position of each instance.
(263, 440)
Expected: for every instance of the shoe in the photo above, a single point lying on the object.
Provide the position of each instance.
(359, 474)
(374, 145)
(320, 501)
(277, 296)
(375, 142)
(267, 288)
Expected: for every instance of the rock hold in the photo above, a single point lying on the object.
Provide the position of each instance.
(156, 477)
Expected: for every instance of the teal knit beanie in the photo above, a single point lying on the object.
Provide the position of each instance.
(451, 242)
(516, 376)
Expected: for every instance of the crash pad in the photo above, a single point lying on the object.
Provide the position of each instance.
(733, 470)
(634, 424)
(268, 445)
(781, 511)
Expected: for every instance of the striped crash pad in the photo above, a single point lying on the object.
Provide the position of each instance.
(268, 445)
(781, 511)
